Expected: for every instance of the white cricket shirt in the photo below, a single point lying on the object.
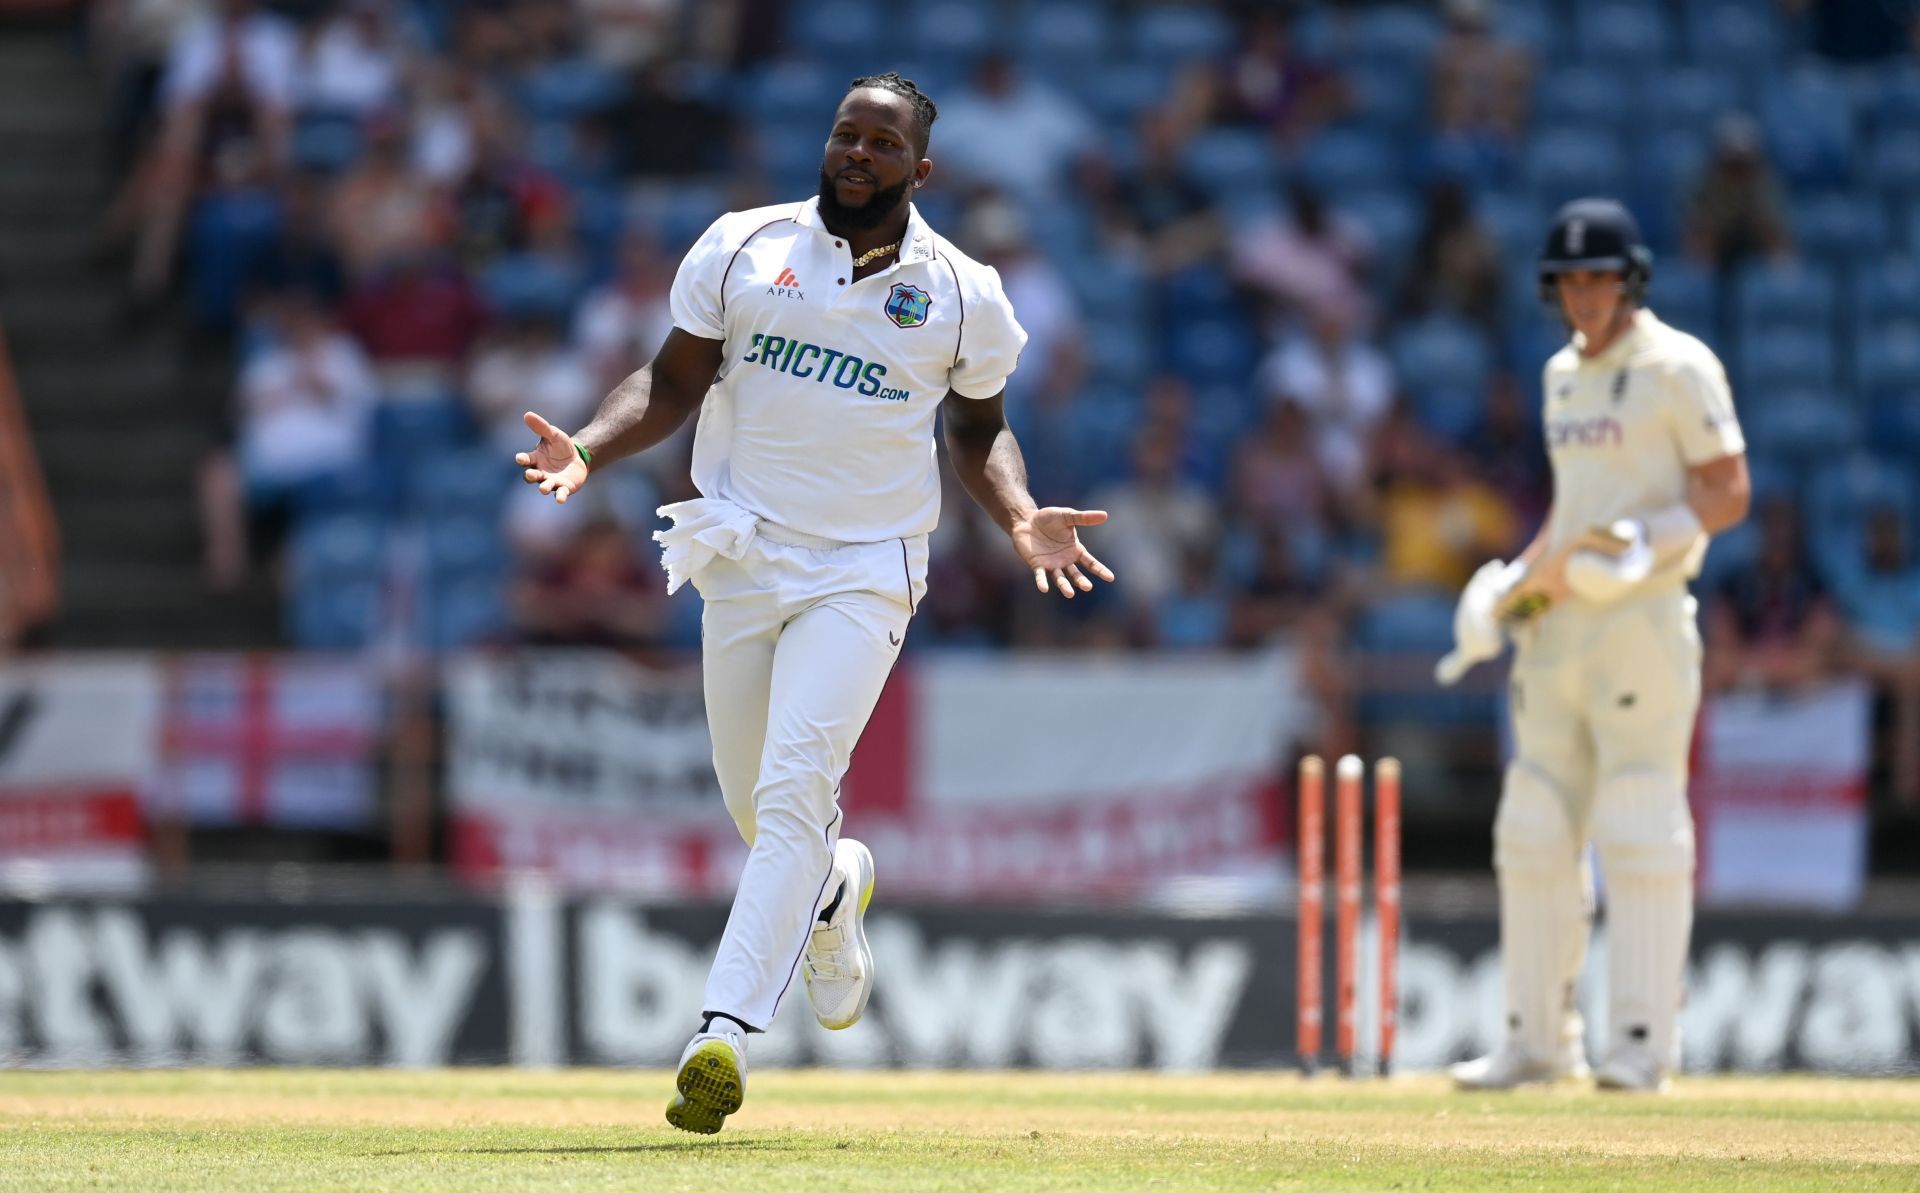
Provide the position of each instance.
(821, 417)
(1623, 428)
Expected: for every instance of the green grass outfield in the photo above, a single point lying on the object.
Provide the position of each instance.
(495, 1129)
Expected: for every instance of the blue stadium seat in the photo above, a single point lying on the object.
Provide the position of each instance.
(1895, 99)
(1212, 350)
(1588, 97)
(465, 613)
(1416, 622)
(1121, 353)
(1798, 427)
(1622, 34)
(473, 481)
(1441, 353)
(1391, 102)
(1111, 288)
(1230, 158)
(1794, 296)
(1893, 419)
(952, 28)
(1732, 32)
(326, 142)
(528, 283)
(568, 89)
(1893, 166)
(1669, 163)
(1516, 221)
(1565, 164)
(1788, 356)
(340, 613)
(424, 425)
(1887, 359)
(1808, 118)
(1449, 411)
(337, 547)
(838, 29)
(464, 547)
(1118, 92)
(1839, 499)
(793, 88)
(1395, 36)
(1202, 291)
(1691, 96)
(1063, 31)
(1529, 24)
(1344, 159)
(1181, 33)
(1686, 296)
(1885, 292)
(1391, 218)
(1840, 227)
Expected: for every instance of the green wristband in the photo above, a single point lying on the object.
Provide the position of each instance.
(585, 455)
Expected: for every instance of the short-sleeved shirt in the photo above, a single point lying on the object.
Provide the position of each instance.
(821, 417)
(1623, 428)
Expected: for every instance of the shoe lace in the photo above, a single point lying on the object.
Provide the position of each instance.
(823, 953)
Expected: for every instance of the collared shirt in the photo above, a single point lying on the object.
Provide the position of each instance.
(821, 417)
(1624, 427)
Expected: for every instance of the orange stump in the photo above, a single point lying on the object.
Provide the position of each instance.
(1310, 921)
(1386, 897)
(1346, 882)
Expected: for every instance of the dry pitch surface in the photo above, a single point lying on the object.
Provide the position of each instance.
(498, 1129)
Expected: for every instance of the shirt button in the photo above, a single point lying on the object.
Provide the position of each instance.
(842, 281)
(836, 244)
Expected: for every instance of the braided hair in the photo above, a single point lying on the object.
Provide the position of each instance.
(924, 111)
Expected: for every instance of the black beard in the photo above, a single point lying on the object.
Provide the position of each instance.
(880, 207)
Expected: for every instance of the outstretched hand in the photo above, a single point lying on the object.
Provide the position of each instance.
(1048, 542)
(553, 464)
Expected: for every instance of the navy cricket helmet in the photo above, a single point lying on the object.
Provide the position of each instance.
(1596, 234)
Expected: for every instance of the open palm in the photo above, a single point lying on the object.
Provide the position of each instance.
(1048, 541)
(553, 464)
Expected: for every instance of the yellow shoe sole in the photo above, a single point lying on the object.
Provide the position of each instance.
(710, 1090)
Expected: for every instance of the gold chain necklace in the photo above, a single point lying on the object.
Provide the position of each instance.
(871, 254)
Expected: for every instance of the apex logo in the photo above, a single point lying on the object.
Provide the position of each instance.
(787, 285)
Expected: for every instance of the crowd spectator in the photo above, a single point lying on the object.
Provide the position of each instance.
(598, 591)
(1053, 363)
(528, 365)
(1437, 520)
(1735, 213)
(1307, 263)
(1270, 84)
(1158, 212)
(623, 321)
(1344, 384)
(355, 62)
(1772, 624)
(1880, 598)
(1455, 267)
(383, 209)
(1011, 132)
(1157, 516)
(1481, 82)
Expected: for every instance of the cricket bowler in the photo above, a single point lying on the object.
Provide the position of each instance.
(818, 340)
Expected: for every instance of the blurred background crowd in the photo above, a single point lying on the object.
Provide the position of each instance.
(1275, 259)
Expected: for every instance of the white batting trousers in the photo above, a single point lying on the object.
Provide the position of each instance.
(799, 636)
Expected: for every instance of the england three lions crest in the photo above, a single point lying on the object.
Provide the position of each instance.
(907, 305)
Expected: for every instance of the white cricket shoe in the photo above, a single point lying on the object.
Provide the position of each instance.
(1511, 1065)
(712, 1081)
(1631, 1068)
(839, 965)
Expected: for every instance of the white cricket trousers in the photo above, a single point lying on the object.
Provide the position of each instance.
(1603, 711)
(799, 636)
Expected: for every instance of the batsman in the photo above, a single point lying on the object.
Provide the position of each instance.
(1648, 464)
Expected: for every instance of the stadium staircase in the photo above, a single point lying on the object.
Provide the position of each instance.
(122, 414)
